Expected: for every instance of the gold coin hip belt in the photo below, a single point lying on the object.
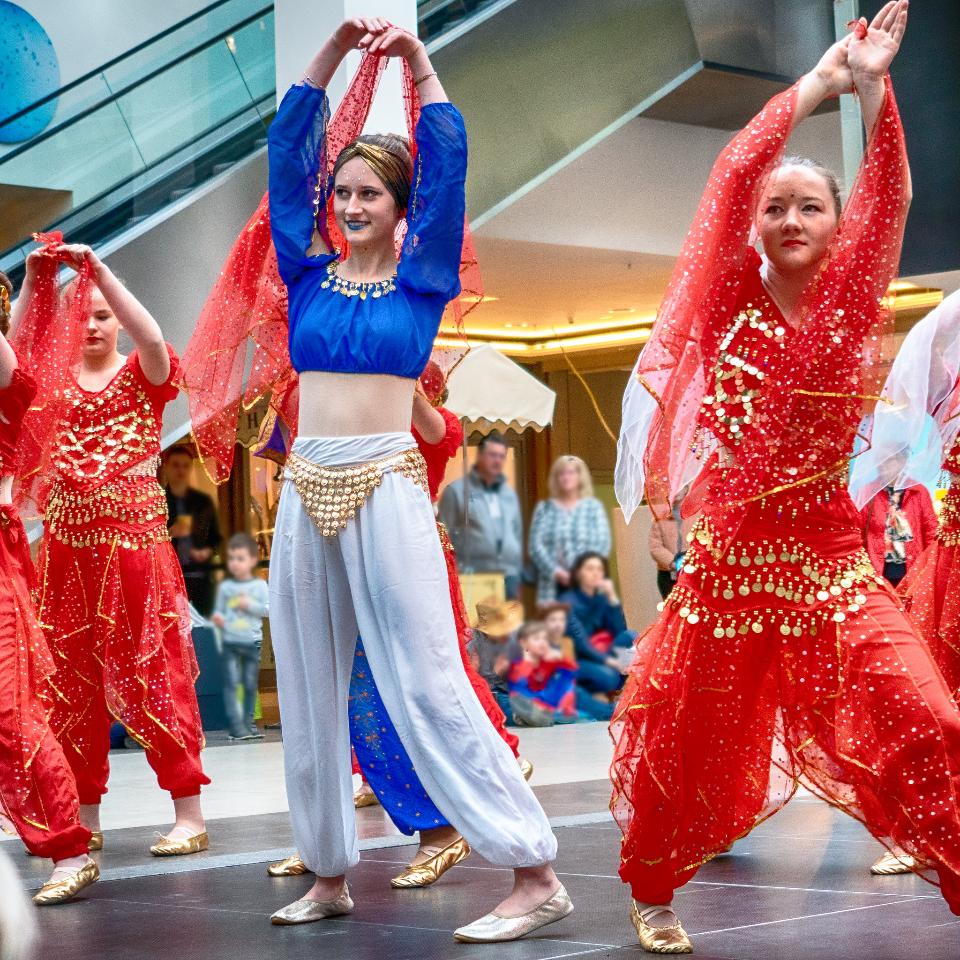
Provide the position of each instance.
(333, 495)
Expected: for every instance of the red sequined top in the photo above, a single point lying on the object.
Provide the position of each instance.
(14, 402)
(107, 454)
(438, 455)
(814, 442)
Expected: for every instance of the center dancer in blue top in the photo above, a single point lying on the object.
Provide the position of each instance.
(355, 548)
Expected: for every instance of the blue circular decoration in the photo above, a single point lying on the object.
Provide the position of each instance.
(29, 71)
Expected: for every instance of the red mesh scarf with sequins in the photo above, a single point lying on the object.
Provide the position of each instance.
(49, 341)
(248, 303)
(837, 316)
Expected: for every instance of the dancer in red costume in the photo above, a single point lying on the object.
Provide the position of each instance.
(781, 657)
(110, 593)
(38, 793)
(913, 435)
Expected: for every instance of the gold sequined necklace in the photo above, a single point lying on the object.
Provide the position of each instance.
(352, 288)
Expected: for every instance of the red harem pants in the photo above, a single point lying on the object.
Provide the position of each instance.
(38, 793)
(118, 627)
(858, 713)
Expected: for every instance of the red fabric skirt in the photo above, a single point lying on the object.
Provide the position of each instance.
(118, 625)
(782, 660)
(38, 792)
(931, 592)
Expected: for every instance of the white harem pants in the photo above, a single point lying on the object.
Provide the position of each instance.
(383, 577)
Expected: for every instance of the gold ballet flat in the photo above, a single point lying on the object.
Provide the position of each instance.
(181, 848)
(891, 864)
(363, 799)
(293, 866)
(526, 768)
(431, 870)
(496, 929)
(60, 891)
(672, 939)
(307, 911)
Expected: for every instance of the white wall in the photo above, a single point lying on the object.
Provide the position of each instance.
(301, 27)
(639, 188)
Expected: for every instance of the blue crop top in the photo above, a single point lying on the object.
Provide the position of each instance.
(392, 328)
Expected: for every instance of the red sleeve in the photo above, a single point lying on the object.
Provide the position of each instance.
(160, 394)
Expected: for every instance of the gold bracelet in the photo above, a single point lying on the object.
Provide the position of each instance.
(311, 82)
(426, 76)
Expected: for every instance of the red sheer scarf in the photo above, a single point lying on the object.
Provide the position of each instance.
(48, 341)
(838, 317)
(248, 303)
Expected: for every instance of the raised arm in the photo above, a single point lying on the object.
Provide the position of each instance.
(427, 419)
(132, 315)
(869, 54)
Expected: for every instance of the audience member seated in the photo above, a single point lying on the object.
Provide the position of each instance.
(493, 647)
(555, 617)
(597, 625)
(541, 682)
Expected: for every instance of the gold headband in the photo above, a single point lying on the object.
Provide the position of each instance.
(387, 166)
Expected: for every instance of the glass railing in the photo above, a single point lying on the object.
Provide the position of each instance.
(118, 150)
(435, 17)
(124, 70)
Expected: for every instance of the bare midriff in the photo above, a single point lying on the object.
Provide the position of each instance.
(354, 404)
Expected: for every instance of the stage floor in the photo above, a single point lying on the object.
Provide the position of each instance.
(797, 888)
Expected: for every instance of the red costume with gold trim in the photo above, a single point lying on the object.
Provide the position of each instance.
(110, 592)
(38, 792)
(931, 589)
(780, 657)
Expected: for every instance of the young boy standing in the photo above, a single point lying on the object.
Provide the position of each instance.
(242, 604)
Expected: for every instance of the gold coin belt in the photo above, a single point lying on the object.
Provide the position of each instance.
(333, 495)
(948, 524)
(86, 519)
(761, 585)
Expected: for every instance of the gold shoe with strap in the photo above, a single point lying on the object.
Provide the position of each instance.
(672, 939)
(60, 891)
(526, 768)
(892, 864)
(431, 870)
(96, 841)
(293, 866)
(181, 848)
(364, 799)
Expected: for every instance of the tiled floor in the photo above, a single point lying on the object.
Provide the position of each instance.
(796, 888)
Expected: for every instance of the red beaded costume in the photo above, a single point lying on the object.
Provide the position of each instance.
(38, 792)
(931, 590)
(780, 657)
(110, 592)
